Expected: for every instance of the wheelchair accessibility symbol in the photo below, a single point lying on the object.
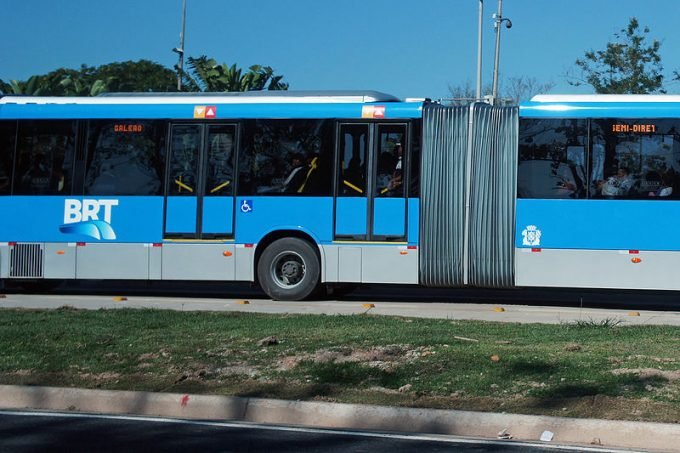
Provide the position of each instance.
(246, 206)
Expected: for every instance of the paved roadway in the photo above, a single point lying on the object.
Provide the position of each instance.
(499, 310)
(23, 432)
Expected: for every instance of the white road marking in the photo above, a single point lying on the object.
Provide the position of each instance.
(421, 437)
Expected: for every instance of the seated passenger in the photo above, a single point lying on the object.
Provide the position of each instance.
(385, 169)
(665, 189)
(297, 174)
(618, 185)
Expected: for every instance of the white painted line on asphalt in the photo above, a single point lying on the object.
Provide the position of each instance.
(422, 437)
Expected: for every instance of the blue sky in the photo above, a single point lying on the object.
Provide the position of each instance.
(407, 48)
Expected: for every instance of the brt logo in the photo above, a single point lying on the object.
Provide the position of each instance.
(89, 218)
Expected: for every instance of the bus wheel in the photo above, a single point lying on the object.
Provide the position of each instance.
(289, 269)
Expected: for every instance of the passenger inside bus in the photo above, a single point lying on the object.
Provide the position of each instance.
(386, 165)
(297, 174)
(664, 187)
(398, 173)
(618, 185)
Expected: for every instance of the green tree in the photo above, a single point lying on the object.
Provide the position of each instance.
(205, 74)
(136, 76)
(126, 76)
(34, 86)
(630, 64)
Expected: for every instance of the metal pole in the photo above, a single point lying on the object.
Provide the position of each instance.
(497, 25)
(479, 50)
(180, 49)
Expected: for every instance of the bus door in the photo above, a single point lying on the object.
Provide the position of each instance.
(200, 186)
(370, 200)
(389, 188)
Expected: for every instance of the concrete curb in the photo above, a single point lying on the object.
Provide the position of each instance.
(618, 434)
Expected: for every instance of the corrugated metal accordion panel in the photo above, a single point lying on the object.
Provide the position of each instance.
(442, 200)
(468, 185)
(492, 196)
(26, 261)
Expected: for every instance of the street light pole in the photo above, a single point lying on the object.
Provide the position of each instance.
(180, 50)
(498, 20)
(479, 50)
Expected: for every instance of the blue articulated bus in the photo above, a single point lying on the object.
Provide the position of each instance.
(302, 190)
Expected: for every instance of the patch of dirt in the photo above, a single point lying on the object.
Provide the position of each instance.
(655, 359)
(649, 373)
(148, 356)
(99, 377)
(385, 358)
(238, 370)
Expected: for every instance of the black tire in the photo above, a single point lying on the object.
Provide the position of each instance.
(289, 269)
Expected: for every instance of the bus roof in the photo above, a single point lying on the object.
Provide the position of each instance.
(248, 97)
(601, 106)
(182, 106)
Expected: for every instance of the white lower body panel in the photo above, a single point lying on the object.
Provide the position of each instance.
(358, 263)
(616, 269)
(168, 261)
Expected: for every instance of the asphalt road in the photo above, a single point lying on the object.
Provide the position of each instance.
(499, 312)
(55, 432)
(564, 297)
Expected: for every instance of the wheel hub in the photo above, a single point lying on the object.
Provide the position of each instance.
(291, 270)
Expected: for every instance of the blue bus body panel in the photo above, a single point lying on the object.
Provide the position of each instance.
(389, 216)
(392, 110)
(413, 220)
(599, 110)
(180, 216)
(312, 215)
(600, 224)
(47, 219)
(218, 215)
(351, 216)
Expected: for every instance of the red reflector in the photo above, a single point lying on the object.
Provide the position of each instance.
(157, 244)
(11, 244)
(412, 247)
(248, 246)
(80, 244)
(535, 250)
(633, 252)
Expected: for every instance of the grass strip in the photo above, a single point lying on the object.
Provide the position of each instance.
(584, 369)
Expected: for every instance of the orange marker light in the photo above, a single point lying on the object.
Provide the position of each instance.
(403, 252)
(60, 252)
(636, 260)
(227, 253)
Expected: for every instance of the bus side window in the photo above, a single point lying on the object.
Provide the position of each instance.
(391, 165)
(184, 151)
(286, 157)
(7, 137)
(125, 158)
(220, 164)
(414, 161)
(45, 154)
(552, 158)
(635, 158)
(353, 160)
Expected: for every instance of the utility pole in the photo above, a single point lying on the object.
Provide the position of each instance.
(180, 50)
(479, 51)
(498, 20)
